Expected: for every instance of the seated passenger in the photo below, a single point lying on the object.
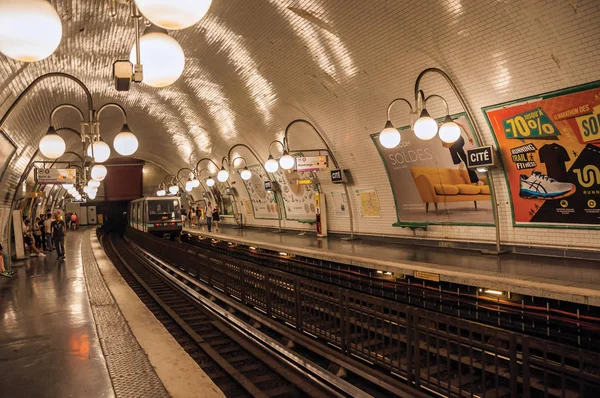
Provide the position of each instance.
(4, 262)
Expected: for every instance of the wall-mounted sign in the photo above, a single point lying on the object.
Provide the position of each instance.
(428, 276)
(311, 163)
(228, 191)
(306, 181)
(551, 149)
(268, 186)
(82, 200)
(338, 176)
(38, 194)
(56, 176)
(480, 157)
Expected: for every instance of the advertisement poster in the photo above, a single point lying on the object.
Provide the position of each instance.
(264, 204)
(299, 200)
(431, 182)
(339, 201)
(7, 150)
(369, 203)
(223, 200)
(550, 146)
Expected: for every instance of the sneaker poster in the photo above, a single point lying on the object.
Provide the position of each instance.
(550, 146)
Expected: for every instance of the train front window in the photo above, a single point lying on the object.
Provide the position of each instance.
(159, 210)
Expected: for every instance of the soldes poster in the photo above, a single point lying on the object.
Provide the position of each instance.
(550, 146)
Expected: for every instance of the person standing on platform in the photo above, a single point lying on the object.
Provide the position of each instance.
(73, 221)
(58, 234)
(43, 232)
(37, 233)
(48, 232)
(215, 217)
(208, 213)
(198, 214)
(28, 239)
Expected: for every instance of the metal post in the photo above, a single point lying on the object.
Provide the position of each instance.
(463, 103)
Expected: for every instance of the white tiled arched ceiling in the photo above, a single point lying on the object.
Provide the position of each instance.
(253, 66)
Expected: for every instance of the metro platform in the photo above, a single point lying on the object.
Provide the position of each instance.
(76, 329)
(565, 279)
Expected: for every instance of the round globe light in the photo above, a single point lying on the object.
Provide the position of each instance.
(93, 183)
(210, 182)
(271, 165)
(389, 136)
(425, 127)
(125, 143)
(92, 195)
(30, 30)
(161, 192)
(101, 151)
(287, 161)
(67, 186)
(174, 189)
(195, 183)
(86, 189)
(188, 187)
(246, 174)
(174, 14)
(78, 196)
(449, 131)
(162, 58)
(222, 175)
(52, 145)
(99, 172)
(72, 191)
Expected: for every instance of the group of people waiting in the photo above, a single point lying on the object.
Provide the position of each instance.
(193, 215)
(46, 233)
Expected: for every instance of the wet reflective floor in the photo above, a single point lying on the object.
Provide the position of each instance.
(48, 341)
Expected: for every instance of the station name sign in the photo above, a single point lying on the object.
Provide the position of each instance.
(55, 176)
(338, 176)
(311, 163)
(480, 157)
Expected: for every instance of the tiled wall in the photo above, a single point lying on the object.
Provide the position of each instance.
(337, 63)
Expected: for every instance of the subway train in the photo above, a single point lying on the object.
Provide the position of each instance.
(156, 215)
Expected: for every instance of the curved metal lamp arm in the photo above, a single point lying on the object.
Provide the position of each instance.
(199, 172)
(240, 158)
(210, 160)
(440, 97)
(252, 151)
(389, 108)
(327, 148)
(185, 168)
(66, 106)
(113, 105)
(171, 176)
(283, 146)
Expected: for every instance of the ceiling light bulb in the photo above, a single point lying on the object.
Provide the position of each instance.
(389, 136)
(99, 172)
(52, 145)
(287, 161)
(174, 189)
(101, 151)
(30, 30)
(449, 131)
(93, 183)
(86, 189)
(188, 187)
(161, 192)
(425, 127)
(67, 186)
(271, 165)
(210, 182)
(174, 14)
(222, 175)
(246, 174)
(195, 183)
(125, 143)
(162, 57)
(92, 195)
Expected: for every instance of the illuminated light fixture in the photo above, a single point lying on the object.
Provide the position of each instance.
(72, 191)
(425, 127)
(195, 182)
(125, 143)
(174, 189)
(92, 195)
(67, 186)
(99, 172)
(101, 151)
(174, 14)
(283, 254)
(252, 248)
(189, 186)
(210, 182)
(380, 272)
(482, 169)
(494, 292)
(161, 192)
(93, 183)
(30, 30)
(287, 161)
(246, 174)
(162, 57)
(52, 145)
(271, 165)
(390, 136)
(388, 273)
(449, 131)
(222, 175)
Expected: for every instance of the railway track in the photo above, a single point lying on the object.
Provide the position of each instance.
(237, 365)
(431, 351)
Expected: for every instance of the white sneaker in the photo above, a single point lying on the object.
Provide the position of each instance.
(42, 255)
(33, 255)
(541, 186)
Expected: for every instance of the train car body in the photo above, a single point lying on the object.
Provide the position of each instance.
(156, 215)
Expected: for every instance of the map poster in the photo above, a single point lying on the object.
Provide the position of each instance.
(550, 146)
(223, 200)
(369, 203)
(339, 201)
(264, 204)
(431, 182)
(299, 200)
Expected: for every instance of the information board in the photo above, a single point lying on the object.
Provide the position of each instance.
(56, 176)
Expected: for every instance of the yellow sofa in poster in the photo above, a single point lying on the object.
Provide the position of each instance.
(436, 185)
